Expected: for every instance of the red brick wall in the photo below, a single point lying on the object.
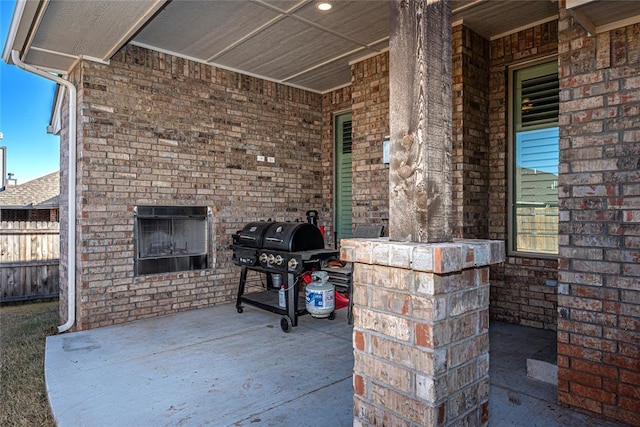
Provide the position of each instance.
(470, 134)
(146, 101)
(368, 101)
(160, 130)
(518, 290)
(370, 109)
(599, 271)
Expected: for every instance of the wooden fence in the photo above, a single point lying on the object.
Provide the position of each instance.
(537, 229)
(29, 260)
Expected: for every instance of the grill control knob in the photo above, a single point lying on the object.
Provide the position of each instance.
(293, 264)
(263, 258)
(271, 259)
(279, 259)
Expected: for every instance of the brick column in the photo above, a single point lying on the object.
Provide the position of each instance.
(421, 325)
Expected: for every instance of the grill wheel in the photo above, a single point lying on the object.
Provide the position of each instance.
(286, 324)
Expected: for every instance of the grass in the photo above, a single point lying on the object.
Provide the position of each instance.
(23, 396)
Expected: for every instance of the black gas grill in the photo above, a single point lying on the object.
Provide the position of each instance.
(284, 251)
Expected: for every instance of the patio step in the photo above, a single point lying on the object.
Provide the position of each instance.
(543, 366)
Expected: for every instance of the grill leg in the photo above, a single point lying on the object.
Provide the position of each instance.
(292, 299)
(243, 279)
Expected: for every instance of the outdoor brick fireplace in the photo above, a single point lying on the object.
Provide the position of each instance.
(171, 238)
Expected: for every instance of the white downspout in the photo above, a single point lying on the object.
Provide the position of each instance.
(71, 246)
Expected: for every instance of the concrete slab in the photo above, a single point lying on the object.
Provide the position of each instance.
(205, 367)
(516, 400)
(219, 368)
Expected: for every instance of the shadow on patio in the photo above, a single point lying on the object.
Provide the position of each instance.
(217, 367)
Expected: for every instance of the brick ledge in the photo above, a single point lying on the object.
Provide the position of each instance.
(439, 258)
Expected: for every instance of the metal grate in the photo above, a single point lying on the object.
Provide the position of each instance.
(171, 238)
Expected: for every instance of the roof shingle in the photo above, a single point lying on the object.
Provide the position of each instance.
(39, 193)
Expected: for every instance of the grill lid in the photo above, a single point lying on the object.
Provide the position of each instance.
(252, 234)
(293, 237)
(282, 236)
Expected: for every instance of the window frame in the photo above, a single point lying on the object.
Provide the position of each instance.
(511, 165)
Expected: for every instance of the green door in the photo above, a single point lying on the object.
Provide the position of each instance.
(343, 175)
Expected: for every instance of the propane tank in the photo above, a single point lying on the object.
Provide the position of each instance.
(282, 302)
(276, 282)
(320, 295)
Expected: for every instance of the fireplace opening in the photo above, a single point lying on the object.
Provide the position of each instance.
(171, 238)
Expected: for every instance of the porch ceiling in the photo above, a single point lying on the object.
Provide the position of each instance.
(287, 41)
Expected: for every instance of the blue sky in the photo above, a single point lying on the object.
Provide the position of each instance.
(25, 110)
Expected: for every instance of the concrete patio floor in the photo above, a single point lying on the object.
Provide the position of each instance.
(219, 368)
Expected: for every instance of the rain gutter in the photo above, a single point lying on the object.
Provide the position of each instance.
(71, 246)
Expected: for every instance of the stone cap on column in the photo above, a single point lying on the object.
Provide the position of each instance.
(436, 258)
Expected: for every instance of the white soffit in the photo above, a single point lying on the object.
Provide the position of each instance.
(604, 15)
(288, 41)
(491, 18)
(202, 29)
(285, 41)
(292, 47)
(91, 28)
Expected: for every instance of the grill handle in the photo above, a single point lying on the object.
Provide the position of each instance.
(273, 239)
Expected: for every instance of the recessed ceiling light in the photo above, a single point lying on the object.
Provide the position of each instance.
(324, 6)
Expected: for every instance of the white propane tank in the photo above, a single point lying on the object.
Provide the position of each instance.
(282, 302)
(320, 295)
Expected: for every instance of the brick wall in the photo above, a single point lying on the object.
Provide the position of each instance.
(519, 290)
(519, 293)
(599, 271)
(367, 98)
(160, 130)
(337, 101)
(370, 109)
(470, 134)
(213, 123)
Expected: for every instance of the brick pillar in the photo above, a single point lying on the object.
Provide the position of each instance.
(421, 325)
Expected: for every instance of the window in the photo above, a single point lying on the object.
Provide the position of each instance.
(534, 159)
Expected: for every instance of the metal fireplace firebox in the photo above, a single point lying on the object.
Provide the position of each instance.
(284, 251)
(171, 238)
